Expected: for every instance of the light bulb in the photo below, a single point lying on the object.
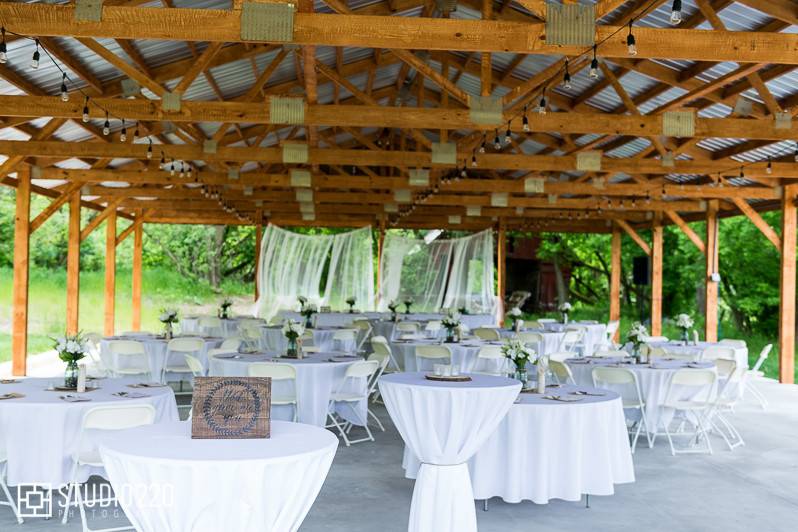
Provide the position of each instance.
(676, 12)
(542, 106)
(64, 93)
(507, 137)
(136, 134)
(106, 125)
(123, 133)
(34, 62)
(496, 143)
(464, 172)
(525, 123)
(474, 160)
(85, 113)
(172, 169)
(769, 169)
(631, 44)
(593, 73)
(482, 147)
(566, 81)
(149, 151)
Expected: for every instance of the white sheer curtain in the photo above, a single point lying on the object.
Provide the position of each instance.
(293, 264)
(452, 273)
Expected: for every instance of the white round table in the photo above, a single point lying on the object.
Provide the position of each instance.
(190, 325)
(464, 355)
(155, 347)
(654, 381)
(274, 339)
(40, 431)
(550, 344)
(327, 319)
(318, 376)
(444, 424)
(169, 481)
(595, 334)
(545, 449)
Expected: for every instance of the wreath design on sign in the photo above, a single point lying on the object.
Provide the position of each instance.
(232, 408)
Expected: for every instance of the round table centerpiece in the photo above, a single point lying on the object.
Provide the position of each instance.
(451, 322)
(292, 330)
(168, 317)
(71, 348)
(684, 322)
(520, 355)
(637, 336)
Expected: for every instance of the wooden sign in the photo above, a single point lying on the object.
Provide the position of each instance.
(231, 407)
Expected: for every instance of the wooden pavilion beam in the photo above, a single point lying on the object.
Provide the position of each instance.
(712, 268)
(99, 218)
(73, 265)
(397, 33)
(687, 230)
(138, 243)
(656, 274)
(787, 286)
(615, 278)
(19, 298)
(758, 221)
(110, 274)
(634, 236)
(55, 205)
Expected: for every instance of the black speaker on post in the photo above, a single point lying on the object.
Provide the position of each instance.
(641, 271)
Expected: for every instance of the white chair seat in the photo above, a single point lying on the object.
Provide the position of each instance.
(283, 400)
(686, 405)
(347, 397)
(177, 368)
(630, 403)
(131, 371)
(91, 458)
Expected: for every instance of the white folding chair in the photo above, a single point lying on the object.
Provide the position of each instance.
(725, 402)
(572, 340)
(756, 372)
(736, 344)
(128, 357)
(379, 344)
(611, 353)
(98, 367)
(195, 366)
(107, 418)
(493, 361)
(534, 324)
(700, 383)
(561, 372)
(358, 371)
(279, 372)
(560, 356)
(364, 329)
(175, 361)
(626, 380)
(656, 339)
(345, 340)
(405, 327)
(4, 487)
(433, 328)
(487, 333)
(531, 339)
(210, 326)
(437, 354)
(251, 335)
(308, 342)
(714, 352)
(374, 391)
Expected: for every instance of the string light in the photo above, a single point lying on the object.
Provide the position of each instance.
(107, 125)
(594, 66)
(123, 133)
(676, 12)
(172, 168)
(464, 171)
(742, 173)
(566, 78)
(182, 169)
(136, 134)
(631, 44)
(64, 93)
(496, 142)
(542, 104)
(482, 146)
(86, 110)
(3, 49)
(149, 150)
(163, 159)
(507, 137)
(769, 169)
(474, 159)
(525, 122)
(188, 172)
(34, 62)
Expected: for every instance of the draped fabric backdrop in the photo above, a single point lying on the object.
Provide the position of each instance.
(452, 273)
(292, 264)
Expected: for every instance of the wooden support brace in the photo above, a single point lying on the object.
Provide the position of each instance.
(636, 237)
(687, 230)
(758, 221)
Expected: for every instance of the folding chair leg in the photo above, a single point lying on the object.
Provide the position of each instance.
(644, 422)
(763, 402)
(379, 423)
(10, 502)
(340, 429)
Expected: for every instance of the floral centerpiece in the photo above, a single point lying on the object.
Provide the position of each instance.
(224, 309)
(637, 336)
(515, 316)
(71, 348)
(684, 322)
(292, 330)
(351, 300)
(168, 317)
(302, 302)
(392, 306)
(463, 310)
(408, 303)
(520, 355)
(307, 312)
(451, 322)
(564, 309)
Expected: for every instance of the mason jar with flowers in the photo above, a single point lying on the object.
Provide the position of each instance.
(520, 355)
(408, 303)
(351, 300)
(307, 312)
(451, 322)
(637, 336)
(224, 309)
(168, 317)
(392, 306)
(292, 330)
(71, 348)
(565, 309)
(302, 302)
(514, 314)
(684, 322)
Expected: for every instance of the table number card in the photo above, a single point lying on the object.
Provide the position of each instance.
(231, 407)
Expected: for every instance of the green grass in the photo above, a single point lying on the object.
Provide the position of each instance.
(160, 288)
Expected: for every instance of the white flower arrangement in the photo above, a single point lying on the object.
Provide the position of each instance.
(351, 300)
(71, 347)
(293, 329)
(565, 308)
(519, 353)
(309, 310)
(224, 308)
(451, 321)
(392, 306)
(168, 316)
(637, 334)
(302, 302)
(514, 313)
(684, 321)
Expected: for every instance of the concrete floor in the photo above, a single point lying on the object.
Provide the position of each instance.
(754, 488)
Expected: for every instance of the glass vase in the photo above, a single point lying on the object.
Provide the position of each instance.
(565, 318)
(685, 336)
(522, 375)
(407, 308)
(293, 348)
(309, 321)
(71, 374)
(167, 330)
(449, 336)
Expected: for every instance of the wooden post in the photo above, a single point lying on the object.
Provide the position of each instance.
(787, 282)
(501, 255)
(615, 279)
(258, 238)
(73, 265)
(19, 327)
(110, 274)
(711, 299)
(656, 275)
(137, 246)
(380, 244)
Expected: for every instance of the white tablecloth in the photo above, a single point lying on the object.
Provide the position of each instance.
(274, 339)
(464, 355)
(318, 376)
(155, 348)
(653, 381)
(214, 485)
(327, 319)
(678, 348)
(445, 424)
(595, 334)
(190, 325)
(545, 450)
(40, 431)
(550, 344)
